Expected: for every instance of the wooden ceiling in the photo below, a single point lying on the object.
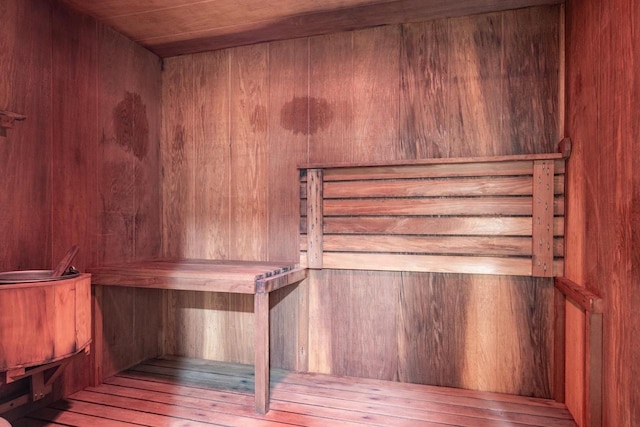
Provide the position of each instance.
(178, 27)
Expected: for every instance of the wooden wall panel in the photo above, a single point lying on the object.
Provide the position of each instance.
(289, 106)
(531, 68)
(128, 119)
(75, 141)
(84, 166)
(74, 211)
(602, 216)
(212, 154)
(25, 88)
(249, 160)
(424, 90)
(440, 88)
(331, 85)
(178, 186)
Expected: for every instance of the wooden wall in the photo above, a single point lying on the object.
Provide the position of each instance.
(84, 167)
(236, 122)
(603, 211)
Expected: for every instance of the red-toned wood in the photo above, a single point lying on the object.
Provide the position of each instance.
(75, 130)
(472, 114)
(198, 391)
(256, 278)
(542, 218)
(261, 350)
(315, 214)
(602, 106)
(43, 322)
(25, 151)
(559, 345)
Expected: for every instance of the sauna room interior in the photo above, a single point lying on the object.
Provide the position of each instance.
(352, 212)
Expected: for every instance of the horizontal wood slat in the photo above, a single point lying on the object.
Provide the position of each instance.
(458, 187)
(444, 168)
(467, 206)
(511, 266)
(444, 226)
(467, 245)
(499, 215)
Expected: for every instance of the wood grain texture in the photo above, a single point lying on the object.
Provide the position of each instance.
(188, 27)
(177, 153)
(212, 155)
(331, 82)
(361, 88)
(25, 153)
(426, 328)
(288, 121)
(67, 65)
(75, 73)
(129, 199)
(601, 111)
(424, 56)
(531, 68)
(171, 390)
(43, 322)
(375, 96)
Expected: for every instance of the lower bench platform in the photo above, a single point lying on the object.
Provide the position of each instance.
(172, 391)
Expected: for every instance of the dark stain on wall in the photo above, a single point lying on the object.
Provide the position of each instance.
(306, 115)
(131, 125)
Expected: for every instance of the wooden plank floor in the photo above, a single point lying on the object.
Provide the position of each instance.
(184, 392)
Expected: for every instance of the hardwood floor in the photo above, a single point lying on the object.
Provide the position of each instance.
(184, 392)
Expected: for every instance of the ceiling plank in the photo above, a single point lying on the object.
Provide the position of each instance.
(401, 11)
(177, 27)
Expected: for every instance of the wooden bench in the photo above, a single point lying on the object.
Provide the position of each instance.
(245, 277)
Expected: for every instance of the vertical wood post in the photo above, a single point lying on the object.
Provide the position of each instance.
(559, 342)
(302, 357)
(593, 369)
(542, 232)
(314, 218)
(96, 345)
(261, 349)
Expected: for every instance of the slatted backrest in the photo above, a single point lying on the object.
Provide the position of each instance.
(501, 215)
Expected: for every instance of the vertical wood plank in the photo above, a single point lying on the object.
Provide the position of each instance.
(363, 307)
(315, 221)
(593, 369)
(475, 108)
(559, 346)
(331, 85)
(542, 217)
(424, 90)
(25, 153)
(303, 344)
(430, 334)
(178, 183)
(575, 374)
(97, 371)
(321, 320)
(375, 99)
(261, 349)
(249, 159)
(249, 180)
(74, 179)
(289, 107)
(531, 80)
(212, 168)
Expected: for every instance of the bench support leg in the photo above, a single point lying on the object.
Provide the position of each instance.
(261, 316)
